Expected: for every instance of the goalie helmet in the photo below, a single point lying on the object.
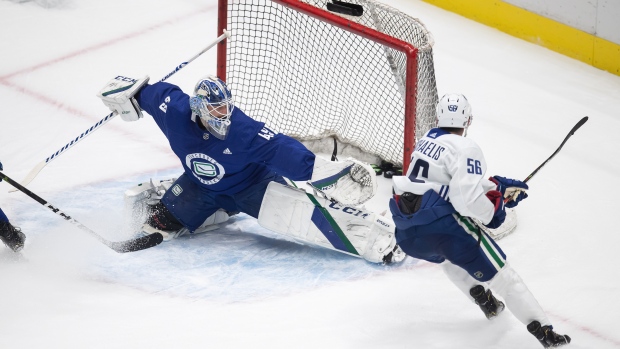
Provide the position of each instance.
(453, 110)
(213, 103)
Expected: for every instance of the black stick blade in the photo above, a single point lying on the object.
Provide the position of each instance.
(570, 133)
(138, 244)
(579, 124)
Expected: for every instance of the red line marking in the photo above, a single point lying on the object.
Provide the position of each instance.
(43, 98)
(70, 110)
(108, 43)
(586, 329)
(4, 80)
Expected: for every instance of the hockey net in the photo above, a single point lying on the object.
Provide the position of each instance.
(365, 79)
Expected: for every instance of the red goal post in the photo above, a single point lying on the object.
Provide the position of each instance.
(365, 78)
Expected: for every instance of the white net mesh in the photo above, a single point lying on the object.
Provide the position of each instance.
(309, 79)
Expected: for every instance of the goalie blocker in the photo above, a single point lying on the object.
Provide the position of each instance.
(330, 224)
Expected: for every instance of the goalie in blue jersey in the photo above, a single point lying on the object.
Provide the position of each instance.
(229, 159)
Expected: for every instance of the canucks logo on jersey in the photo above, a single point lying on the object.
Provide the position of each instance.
(205, 168)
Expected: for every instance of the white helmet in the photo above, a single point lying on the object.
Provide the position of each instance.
(453, 110)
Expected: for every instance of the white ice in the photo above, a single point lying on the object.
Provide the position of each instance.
(242, 286)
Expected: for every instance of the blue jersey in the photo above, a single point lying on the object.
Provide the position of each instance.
(249, 152)
(3, 217)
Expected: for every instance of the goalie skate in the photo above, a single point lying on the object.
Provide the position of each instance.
(141, 197)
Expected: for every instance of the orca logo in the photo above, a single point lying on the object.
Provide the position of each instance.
(206, 169)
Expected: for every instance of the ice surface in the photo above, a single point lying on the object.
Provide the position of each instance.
(243, 286)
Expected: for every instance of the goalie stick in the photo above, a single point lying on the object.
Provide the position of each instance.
(35, 171)
(132, 245)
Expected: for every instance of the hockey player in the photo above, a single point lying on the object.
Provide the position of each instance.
(229, 159)
(10, 235)
(433, 206)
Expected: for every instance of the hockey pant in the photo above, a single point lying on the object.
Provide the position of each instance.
(191, 204)
(436, 233)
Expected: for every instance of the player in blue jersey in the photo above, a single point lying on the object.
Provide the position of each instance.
(443, 191)
(229, 159)
(10, 235)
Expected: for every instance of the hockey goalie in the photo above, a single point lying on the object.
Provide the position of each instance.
(233, 163)
(309, 219)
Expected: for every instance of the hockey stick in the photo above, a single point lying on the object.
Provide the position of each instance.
(132, 245)
(570, 133)
(35, 171)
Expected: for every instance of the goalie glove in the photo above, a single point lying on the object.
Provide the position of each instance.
(118, 95)
(349, 182)
(511, 189)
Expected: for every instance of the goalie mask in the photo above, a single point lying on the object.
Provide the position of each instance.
(213, 103)
(453, 110)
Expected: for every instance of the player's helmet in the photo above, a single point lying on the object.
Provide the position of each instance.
(213, 103)
(453, 110)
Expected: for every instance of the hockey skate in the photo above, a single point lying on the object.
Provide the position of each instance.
(546, 336)
(143, 204)
(160, 220)
(12, 236)
(490, 306)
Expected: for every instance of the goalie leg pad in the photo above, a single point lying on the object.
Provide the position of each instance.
(318, 221)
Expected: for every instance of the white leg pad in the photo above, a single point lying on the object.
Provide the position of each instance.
(318, 221)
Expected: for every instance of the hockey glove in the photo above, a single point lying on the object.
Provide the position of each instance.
(512, 189)
(118, 95)
(349, 182)
(500, 212)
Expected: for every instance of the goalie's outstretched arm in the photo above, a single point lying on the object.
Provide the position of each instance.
(350, 181)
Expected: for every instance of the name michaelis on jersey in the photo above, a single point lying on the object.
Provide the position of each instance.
(429, 149)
